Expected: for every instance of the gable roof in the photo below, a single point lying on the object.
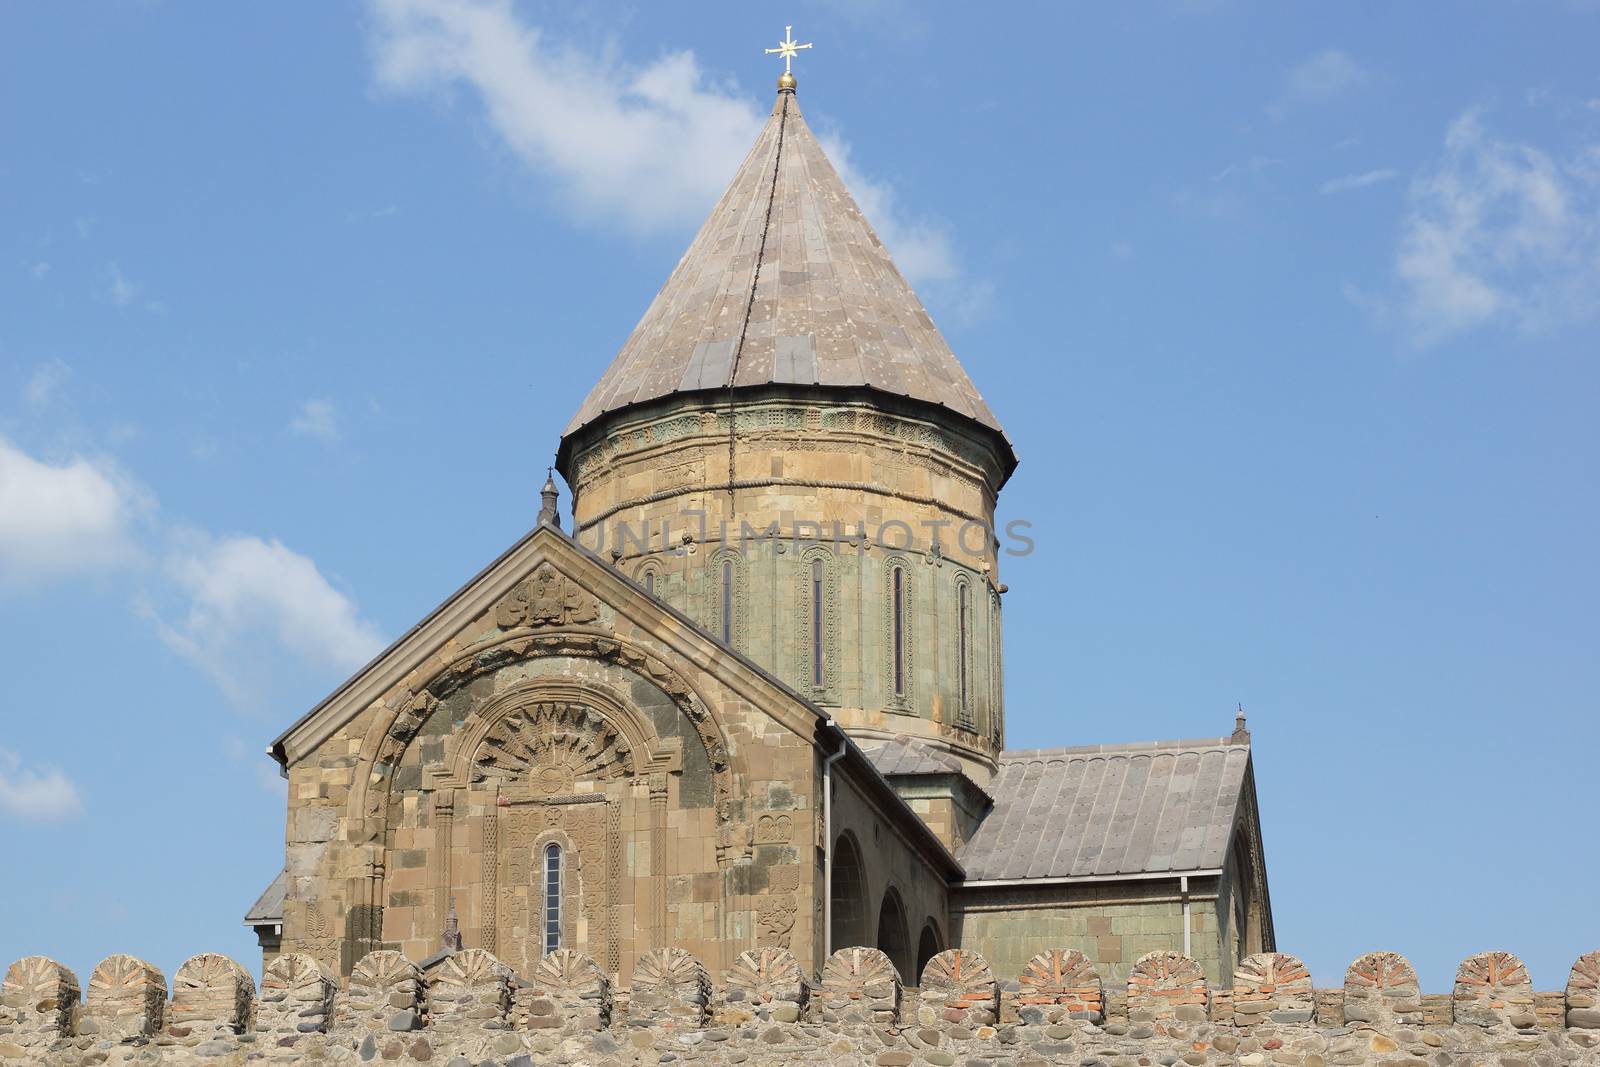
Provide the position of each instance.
(542, 543)
(1108, 810)
(786, 283)
(268, 908)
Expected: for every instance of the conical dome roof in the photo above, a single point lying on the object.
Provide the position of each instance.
(786, 283)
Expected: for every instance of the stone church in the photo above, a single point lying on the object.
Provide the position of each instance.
(755, 697)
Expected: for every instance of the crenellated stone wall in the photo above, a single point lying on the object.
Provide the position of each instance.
(469, 1009)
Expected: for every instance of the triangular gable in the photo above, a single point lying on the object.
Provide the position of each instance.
(673, 632)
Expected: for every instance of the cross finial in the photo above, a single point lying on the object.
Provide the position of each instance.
(788, 49)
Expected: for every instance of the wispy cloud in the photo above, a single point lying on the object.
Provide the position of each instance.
(1499, 231)
(244, 594)
(44, 384)
(318, 420)
(648, 146)
(60, 519)
(1359, 181)
(39, 270)
(122, 290)
(36, 795)
(1317, 79)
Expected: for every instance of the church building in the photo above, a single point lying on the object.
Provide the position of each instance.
(755, 697)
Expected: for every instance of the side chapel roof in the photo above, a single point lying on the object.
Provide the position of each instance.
(1164, 806)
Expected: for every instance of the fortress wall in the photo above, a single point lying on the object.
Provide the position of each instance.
(468, 1009)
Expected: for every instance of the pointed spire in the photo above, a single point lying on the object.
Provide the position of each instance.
(450, 940)
(549, 514)
(1241, 735)
(786, 284)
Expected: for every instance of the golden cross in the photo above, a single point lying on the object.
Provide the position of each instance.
(787, 48)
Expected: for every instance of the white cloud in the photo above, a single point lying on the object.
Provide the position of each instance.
(245, 597)
(40, 269)
(650, 147)
(317, 420)
(1499, 231)
(1359, 181)
(1322, 77)
(63, 519)
(36, 795)
(45, 383)
(122, 290)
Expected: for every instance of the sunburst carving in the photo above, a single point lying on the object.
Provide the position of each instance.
(551, 747)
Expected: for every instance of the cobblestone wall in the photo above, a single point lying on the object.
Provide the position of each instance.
(470, 1010)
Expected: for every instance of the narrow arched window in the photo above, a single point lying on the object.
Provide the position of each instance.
(552, 897)
(817, 580)
(727, 601)
(897, 627)
(650, 582)
(962, 644)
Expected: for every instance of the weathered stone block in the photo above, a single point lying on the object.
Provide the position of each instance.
(1492, 990)
(769, 984)
(40, 999)
(211, 993)
(127, 999)
(671, 989)
(296, 996)
(958, 989)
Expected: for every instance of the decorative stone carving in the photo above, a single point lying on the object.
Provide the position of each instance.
(296, 997)
(671, 989)
(385, 992)
(127, 999)
(407, 712)
(859, 985)
(211, 993)
(1166, 987)
(40, 998)
(774, 829)
(1381, 991)
(470, 988)
(1272, 987)
(550, 747)
(567, 990)
(1493, 989)
(768, 982)
(548, 598)
(958, 986)
(1060, 984)
(775, 915)
(1583, 993)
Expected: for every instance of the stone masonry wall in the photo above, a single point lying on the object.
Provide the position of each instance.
(470, 1010)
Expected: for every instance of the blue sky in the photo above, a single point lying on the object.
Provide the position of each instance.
(1290, 311)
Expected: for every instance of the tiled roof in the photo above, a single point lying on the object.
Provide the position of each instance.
(902, 755)
(829, 306)
(1109, 810)
(268, 908)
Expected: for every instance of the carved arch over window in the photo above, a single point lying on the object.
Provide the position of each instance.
(899, 632)
(725, 582)
(650, 579)
(392, 733)
(817, 624)
(962, 635)
(997, 721)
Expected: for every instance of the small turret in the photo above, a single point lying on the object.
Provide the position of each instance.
(549, 514)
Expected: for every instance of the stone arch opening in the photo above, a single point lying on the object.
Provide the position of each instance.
(848, 896)
(893, 939)
(929, 945)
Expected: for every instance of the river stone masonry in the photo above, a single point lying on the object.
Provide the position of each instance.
(462, 1010)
